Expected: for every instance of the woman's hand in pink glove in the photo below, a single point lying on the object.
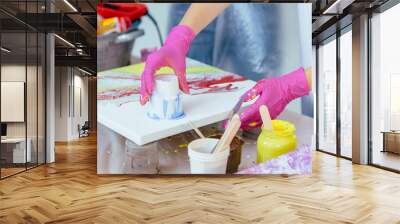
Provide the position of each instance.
(275, 93)
(173, 55)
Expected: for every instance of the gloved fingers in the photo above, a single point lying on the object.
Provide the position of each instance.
(253, 124)
(144, 96)
(250, 114)
(154, 62)
(183, 84)
(180, 70)
(254, 91)
(146, 86)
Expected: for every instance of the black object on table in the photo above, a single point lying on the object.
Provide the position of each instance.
(84, 130)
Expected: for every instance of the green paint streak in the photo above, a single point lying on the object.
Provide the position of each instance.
(137, 69)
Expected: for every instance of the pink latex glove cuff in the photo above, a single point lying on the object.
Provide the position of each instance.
(173, 55)
(275, 93)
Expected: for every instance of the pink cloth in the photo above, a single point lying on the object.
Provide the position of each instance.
(275, 93)
(173, 55)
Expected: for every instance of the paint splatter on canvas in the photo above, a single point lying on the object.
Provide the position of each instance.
(122, 85)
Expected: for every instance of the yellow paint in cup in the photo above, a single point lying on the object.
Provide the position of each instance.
(273, 143)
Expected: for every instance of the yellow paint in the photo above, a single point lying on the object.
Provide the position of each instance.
(183, 146)
(276, 142)
(137, 69)
(252, 124)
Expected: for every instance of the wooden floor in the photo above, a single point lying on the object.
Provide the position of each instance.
(69, 191)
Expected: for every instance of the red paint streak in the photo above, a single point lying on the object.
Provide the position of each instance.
(117, 93)
(208, 83)
(120, 77)
(218, 89)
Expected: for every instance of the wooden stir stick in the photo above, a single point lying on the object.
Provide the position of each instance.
(265, 117)
(229, 134)
(196, 129)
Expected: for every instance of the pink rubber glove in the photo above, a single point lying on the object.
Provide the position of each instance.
(275, 93)
(173, 55)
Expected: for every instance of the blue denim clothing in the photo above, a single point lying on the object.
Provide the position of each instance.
(254, 40)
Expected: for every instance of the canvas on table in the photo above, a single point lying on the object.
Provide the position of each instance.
(213, 94)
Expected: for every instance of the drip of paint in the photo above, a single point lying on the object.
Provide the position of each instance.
(252, 124)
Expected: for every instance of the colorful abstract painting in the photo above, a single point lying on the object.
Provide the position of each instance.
(122, 85)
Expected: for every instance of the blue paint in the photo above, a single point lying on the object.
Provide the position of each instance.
(173, 104)
(153, 116)
(165, 108)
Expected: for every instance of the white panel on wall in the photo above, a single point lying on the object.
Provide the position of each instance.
(12, 101)
(394, 102)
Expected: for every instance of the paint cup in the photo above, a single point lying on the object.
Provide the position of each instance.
(202, 161)
(165, 101)
(141, 159)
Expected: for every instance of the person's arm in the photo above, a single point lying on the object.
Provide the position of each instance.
(173, 53)
(199, 15)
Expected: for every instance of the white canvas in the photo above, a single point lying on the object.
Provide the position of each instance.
(131, 121)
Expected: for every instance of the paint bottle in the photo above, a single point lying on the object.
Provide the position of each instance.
(276, 142)
(166, 101)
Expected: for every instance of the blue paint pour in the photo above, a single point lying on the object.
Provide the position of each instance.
(164, 112)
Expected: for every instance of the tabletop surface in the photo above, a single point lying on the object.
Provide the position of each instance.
(173, 153)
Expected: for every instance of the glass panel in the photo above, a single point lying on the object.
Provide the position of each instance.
(327, 97)
(32, 88)
(41, 99)
(23, 88)
(346, 94)
(13, 87)
(31, 101)
(386, 89)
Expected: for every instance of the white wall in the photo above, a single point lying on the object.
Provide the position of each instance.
(150, 39)
(69, 82)
(15, 72)
(61, 103)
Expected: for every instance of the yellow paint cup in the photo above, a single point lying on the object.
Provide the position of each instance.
(273, 143)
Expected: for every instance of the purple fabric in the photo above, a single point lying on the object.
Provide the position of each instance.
(296, 162)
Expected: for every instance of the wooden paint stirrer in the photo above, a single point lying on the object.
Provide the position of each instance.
(229, 134)
(266, 118)
(196, 129)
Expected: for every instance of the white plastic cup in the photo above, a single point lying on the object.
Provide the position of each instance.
(204, 162)
(165, 101)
